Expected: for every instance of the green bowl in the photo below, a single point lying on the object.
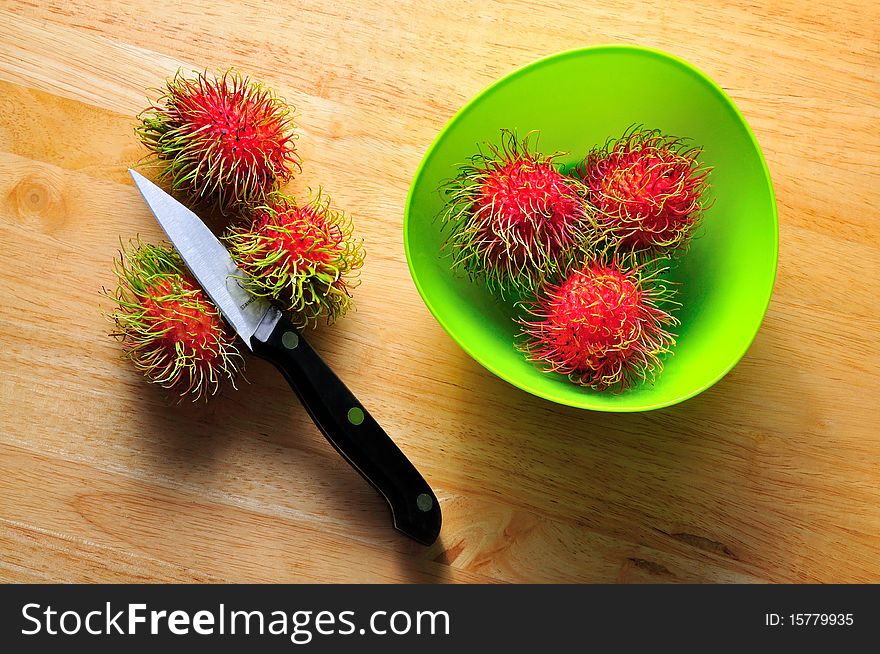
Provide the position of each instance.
(578, 99)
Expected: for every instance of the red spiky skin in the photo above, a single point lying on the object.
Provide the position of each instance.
(192, 326)
(648, 190)
(303, 255)
(168, 327)
(303, 234)
(224, 139)
(602, 326)
(534, 203)
(515, 218)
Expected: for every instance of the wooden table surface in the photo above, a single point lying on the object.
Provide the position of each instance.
(771, 475)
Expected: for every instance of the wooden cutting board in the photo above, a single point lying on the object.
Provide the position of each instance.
(771, 475)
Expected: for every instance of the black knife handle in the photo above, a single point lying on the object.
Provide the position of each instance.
(352, 430)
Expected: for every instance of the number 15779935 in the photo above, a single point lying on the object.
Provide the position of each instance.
(808, 620)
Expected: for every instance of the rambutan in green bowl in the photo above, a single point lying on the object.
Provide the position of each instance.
(576, 100)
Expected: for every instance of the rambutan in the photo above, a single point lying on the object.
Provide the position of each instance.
(222, 140)
(169, 328)
(648, 190)
(302, 255)
(605, 325)
(515, 218)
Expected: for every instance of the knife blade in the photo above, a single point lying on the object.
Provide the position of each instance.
(269, 334)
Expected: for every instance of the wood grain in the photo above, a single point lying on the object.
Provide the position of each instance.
(770, 476)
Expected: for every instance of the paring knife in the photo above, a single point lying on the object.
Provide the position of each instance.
(270, 335)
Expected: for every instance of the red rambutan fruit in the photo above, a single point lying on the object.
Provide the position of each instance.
(302, 255)
(605, 325)
(648, 191)
(515, 218)
(222, 140)
(169, 328)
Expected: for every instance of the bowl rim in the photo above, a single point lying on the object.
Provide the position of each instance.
(472, 352)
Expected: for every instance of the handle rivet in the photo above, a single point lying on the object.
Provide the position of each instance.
(290, 340)
(355, 415)
(424, 502)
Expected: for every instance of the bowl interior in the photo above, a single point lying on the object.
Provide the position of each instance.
(576, 100)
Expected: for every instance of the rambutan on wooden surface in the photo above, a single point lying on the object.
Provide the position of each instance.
(771, 475)
(303, 254)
